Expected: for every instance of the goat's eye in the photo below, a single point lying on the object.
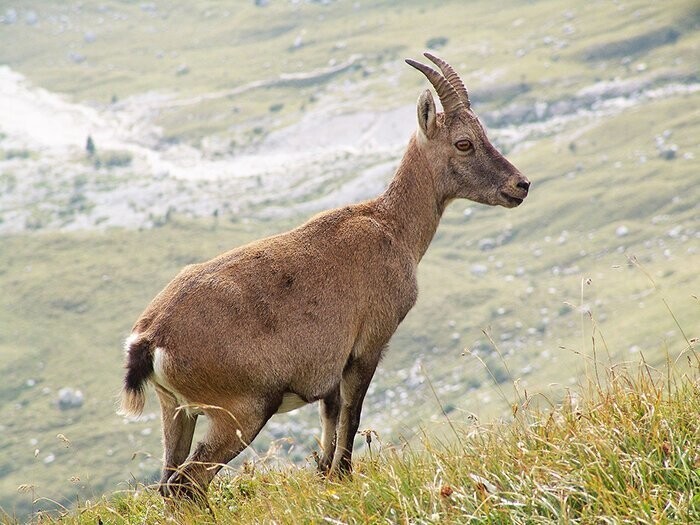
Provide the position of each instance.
(464, 145)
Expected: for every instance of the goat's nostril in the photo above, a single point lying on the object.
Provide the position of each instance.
(524, 184)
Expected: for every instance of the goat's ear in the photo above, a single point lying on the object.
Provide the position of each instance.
(426, 115)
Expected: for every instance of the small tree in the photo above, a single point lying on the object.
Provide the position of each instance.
(90, 147)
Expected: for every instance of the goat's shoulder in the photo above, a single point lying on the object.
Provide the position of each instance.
(357, 224)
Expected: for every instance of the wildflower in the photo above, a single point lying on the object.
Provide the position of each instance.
(446, 491)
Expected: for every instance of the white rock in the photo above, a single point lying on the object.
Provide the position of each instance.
(675, 232)
(10, 16)
(70, 398)
(621, 230)
(479, 269)
(487, 243)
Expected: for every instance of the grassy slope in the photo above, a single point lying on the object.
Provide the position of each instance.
(68, 299)
(626, 452)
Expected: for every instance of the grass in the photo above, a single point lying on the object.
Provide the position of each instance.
(621, 448)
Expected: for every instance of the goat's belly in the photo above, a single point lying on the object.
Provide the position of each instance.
(290, 401)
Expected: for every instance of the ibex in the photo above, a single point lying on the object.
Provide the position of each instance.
(305, 316)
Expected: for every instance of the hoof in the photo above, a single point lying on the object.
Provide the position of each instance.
(181, 487)
(343, 468)
(323, 465)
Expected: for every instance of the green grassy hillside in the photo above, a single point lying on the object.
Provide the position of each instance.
(623, 448)
(598, 105)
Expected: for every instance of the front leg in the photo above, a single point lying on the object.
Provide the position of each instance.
(353, 387)
(330, 409)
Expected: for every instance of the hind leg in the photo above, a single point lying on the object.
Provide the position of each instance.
(178, 430)
(231, 429)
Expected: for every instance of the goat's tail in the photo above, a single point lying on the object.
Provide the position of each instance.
(139, 368)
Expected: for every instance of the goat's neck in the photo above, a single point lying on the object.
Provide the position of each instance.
(413, 202)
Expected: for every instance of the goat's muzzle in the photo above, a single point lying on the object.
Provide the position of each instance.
(514, 195)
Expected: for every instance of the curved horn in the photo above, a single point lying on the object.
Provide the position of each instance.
(448, 96)
(452, 77)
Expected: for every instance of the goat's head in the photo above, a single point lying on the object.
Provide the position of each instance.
(456, 146)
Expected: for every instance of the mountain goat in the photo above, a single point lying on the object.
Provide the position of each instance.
(305, 316)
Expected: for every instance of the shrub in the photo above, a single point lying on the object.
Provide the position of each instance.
(437, 42)
(114, 159)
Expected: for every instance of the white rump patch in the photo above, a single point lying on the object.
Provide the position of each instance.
(130, 340)
(290, 401)
(159, 378)
(159, 370)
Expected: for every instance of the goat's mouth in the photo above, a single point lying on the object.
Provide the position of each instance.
(510, 201)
